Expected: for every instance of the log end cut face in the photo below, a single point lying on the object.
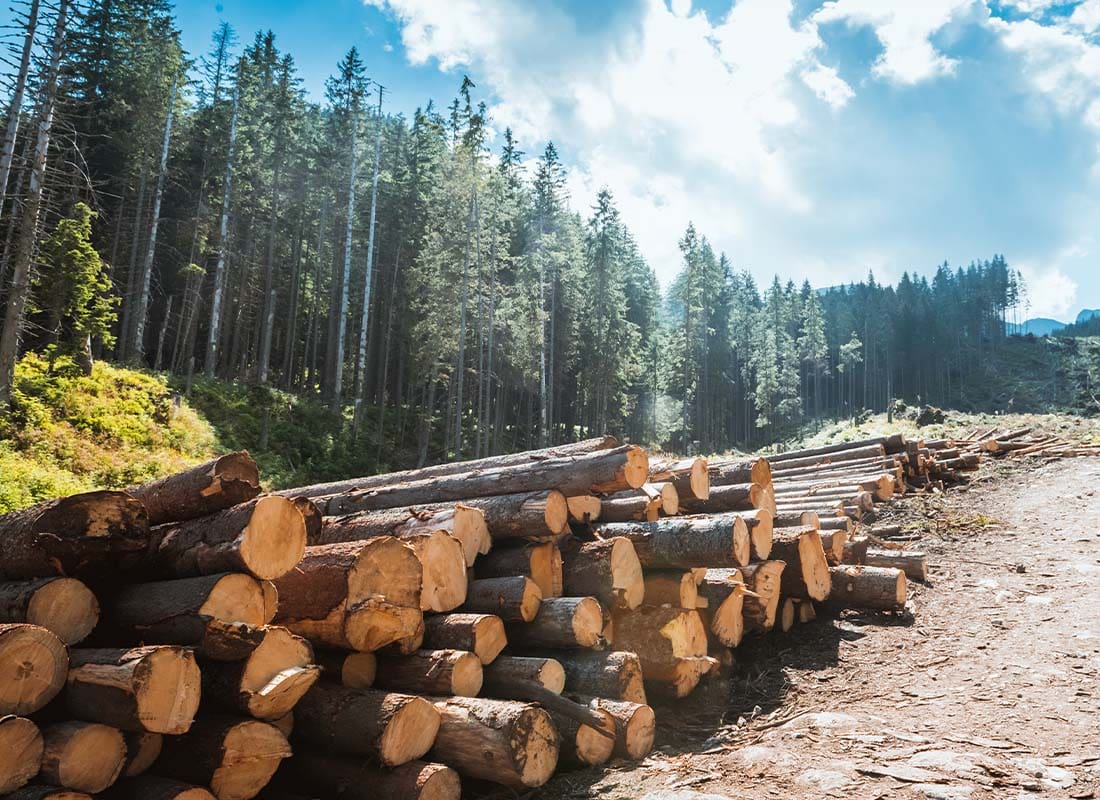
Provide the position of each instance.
(636, 469)
(410, 733)
(762, 525)
(386, 567)
(65, 606)
(277, 674)
(742, 542)
(373, 624)
(274, 540)
(640, 733)
(20, 752)
(587, 622)
(627, 580)
(437, 782)
(166, 686)
(250, 754)
(236, 598)
(33, 666)
(556, 512)
(83, 756)
(593, 747)
(490, 638)
(699, 479)
(537, 758)
(815, 567)
(466, 674)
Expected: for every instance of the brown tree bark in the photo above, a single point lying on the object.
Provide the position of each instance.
(356, 779)
(565, 622)
(542, 563)
(463, 522)
(515, 598)
(504, 675)
(615, 674)
(690, 477)
(868, 588)
(481, 634)
(82, 756)
(607, 569)
(684, 542)
(269, 682)
(200, 491)
(439, 672)
(64, 606)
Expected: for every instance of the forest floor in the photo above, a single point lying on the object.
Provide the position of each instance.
(991, 689)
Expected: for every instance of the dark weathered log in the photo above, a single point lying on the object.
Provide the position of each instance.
(153, 689)
(561, 622)
(855, 550)
(758, 609)
(64, 606)
(33, 664)
(725, 593)
(82, 535)
(635, 726)
(480, 634)
(685, 542)
(616, 674)
(806, 574)
(356, 779)
(689, 476)
(529, 515)
(542, 563)
(724, 472)
(512, 599)
(354, 670)
(911, 562)
(868, 588)
(505, 742)
(200, 491)
(504, 675)
(142, 749)
(21, 749)
(607, 569)
(441, 672)
(151, 787)
(461, 521)
(264, 537)
(39, 791)
(82, 756)
(670, 587)
(269, 682)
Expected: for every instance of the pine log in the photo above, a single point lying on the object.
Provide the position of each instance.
(514, 599)
(235, 757)
(64, 606)
(895, 442)
(830, 523)
(269, 682)
(724, 472)
(584, 508)
(443, 585)
(794, 519)
(671, 588)
(200, 491)
(154, 689)
(481, 634)
(542, 563)
(730, 497)
(880, 484)
(21, 747)
(686, 542)
(760, 523)
(181, 611)
(33, 665)
(81, 535)
(565, 622)
(390, 727)
(356, 779)
(806, 574)
(911, 562)
(669, 496)
(855, 550)
(503, 675)
(689, 476)
(264, 537)
(354, 670)
(151, 787)
(464, 523)
(142, 750)
(581, 745)
(833, 543)
(607, 569)
(787, 470)
(662, 637)
(355, 595)
(82, 756)
(631, 506)
(788, 614)
(440, 672)
(505, 742)
(763, 580)
(725, 594)
(868, 588)
(635, 726)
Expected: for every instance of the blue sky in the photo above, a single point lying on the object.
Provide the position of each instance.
(815, 139)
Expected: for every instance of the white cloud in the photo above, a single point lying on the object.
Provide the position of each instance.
(1086, 16)
(1050, 292)
(828, 85)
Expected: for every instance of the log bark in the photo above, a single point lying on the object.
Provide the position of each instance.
(542, 563)
(607, 569)
(814, 458)
(481, 634)
(269, 682)
(504, 674)
(581, 745)
(510, 743)
(758, 609)
(354, 670)
(855, 550)
(356, 779)
(760, 523)
(440, 672)
(21, 748)
(265, 537)
(833, 543)
(142, 750)
(806, 575)
(880, 484)
(389, 727)
(663, 638)
(616, 674)
(635, 726)
(868, 588)
(82, 756)
(633, 506)
(724, 472)
(892, 443)
(723, 617)
(674, 588)
(64, 606)
(235, 757)
(464, 523)
(85, 535)
(200, 491)
(730, 497)
(911, 562)
(689, 476)
(33, 665)
(685, 542)
(514, 599)
(565, 622)
(151, 787)
(154, 689)
(444, 577)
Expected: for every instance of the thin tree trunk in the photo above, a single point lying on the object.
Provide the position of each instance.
(211, 363)
(268, 321)
(16, 108)
(342, 313)
(163, 335)
(131, 273)
(364, 326)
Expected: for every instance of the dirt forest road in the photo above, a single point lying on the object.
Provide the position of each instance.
(992, 690)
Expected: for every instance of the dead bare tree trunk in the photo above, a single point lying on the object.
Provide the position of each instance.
(16, 108)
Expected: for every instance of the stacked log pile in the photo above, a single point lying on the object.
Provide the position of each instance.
(1021, 443)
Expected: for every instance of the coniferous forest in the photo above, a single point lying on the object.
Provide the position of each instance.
(422, 276)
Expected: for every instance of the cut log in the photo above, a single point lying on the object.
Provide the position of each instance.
(608, 570)
(355, 595)
(829, 523)
(200, 491)
(235, 757)
(581, 745)
(788, 612)
(43, 792)
(670, 498)
(461, 521)
(635, 726)
(806, 575)
(355, 779)
(269, 682)
(690, 476)
(503, 675)
(759, 608)
(631, 506)
(20, 752)
(514, 599)
(731, 497)
(542, 563)
(151, 787)
(911, 562)
(64, 606)
(725, 594)
(868, 588)
(505, 742)
(181, 611)
(83, 756)
(896, 442)
(795, 519)
(443, 585)
(142, 750)
(33, 664)
(616, 674)
(154, 689)
(671, 588)
(441, 672)
(806, 612)
(481, 634)
(760, 524)
(265, 537)
(855, 550)
(685, 542)
(390, 727)
(354, 670)
(81, 535)
(833, 543)
(724, 472)
(662, 637)
(584, 508)
(561, 622)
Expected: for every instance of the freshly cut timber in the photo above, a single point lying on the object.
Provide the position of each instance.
(671, 588)
(442, 672)
(200, 491)
(763, 579)
(235, 757)
(607, 569)
(581, 744)
(356, 779)
(868, 588)
(481, 634)
(856, 549)
(893, 443)
(646, 504)
(443, 582)
(584, 508)
(616, 674)
(84, 534)
(794, 519)
(833, 543)
(20, 752)
(685, 542)
(269, 682)
(730, 497)
(154, 689)
(150, 787)
(635, 726)
(911, 562)
(264, 537)
(505, 742)
(689, 476)
(181, 611)
(561, 622)
(503, 675)
(760, 523)
(725, 472)
(788, 614)
(806, 575)
(542, 563)
(528, 515)
(514, 599)
(724, 590)
(354, 670)
(83, 756)
(64, 606)
(456, 467)
(354, 595)
(33, 664)
(392, 728)
(662, 637)
(461, 521)
(142, 749)
(669, 497)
